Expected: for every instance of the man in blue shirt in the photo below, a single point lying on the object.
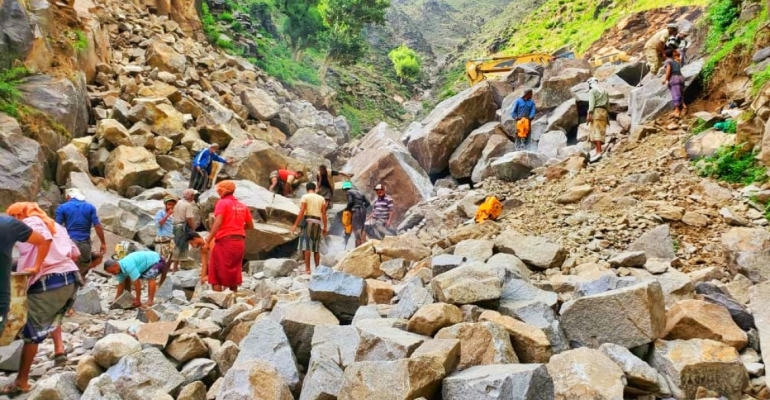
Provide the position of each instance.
(201, 167)
(138, 266)
(78, 216)
(523, 112)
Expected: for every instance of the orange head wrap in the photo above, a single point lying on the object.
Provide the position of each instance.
(225, 187)
(24, 210)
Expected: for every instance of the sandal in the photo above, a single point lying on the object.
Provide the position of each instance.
(11, 390)
(59, 359)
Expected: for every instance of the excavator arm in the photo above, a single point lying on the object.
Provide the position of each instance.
(479, 69)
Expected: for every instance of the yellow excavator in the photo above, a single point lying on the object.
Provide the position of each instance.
(480, 69)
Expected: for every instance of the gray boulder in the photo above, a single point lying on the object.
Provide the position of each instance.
(464, 158)
(267, 343)
(88, 301)
(551, 142)
(57, 387)
(500, 381)
(516, 166)
(23, 168)
(144, 375)
(496, 146)
(341, 293)
(656, 243)
(410, 299)
(638, 373)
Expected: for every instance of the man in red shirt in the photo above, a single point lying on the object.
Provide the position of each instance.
(232, 218)
(285, 180)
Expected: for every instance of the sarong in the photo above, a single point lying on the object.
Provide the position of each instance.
(180, 242)
(84, 261)
(325, 192)
(676, 86)
(359, 220)
(154, 270)
(199, 180)
(48, 301)
(164, 246)
(226, 262)
(312, 232)
(599, 121)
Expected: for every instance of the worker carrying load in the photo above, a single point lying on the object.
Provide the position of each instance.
(523, 112)
(490, 210)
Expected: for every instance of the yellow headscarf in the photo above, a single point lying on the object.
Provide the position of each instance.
(24, 210)
(225, 187)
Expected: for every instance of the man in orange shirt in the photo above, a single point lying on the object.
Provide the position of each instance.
(284, 180)
(229, 233)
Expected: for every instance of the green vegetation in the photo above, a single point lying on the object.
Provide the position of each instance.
(721, 14)
(406, 62)
(9, 92)
(276, 60)
(741, 35)
(302, 24)
(732, 164)
(80, 43)
(758, 81)
(699, 126)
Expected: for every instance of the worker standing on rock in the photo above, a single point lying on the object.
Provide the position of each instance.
(312, 215)
(137, 267)
(598, 116)
(78, 216)
(378, 224)
(184, 223)
(164, 219)
(201, 167)
(283, 181)
(656, 46)
(675, 82)
(51, 290)
(325, 183)
(357, 205)
(227, 239)
(523, 112)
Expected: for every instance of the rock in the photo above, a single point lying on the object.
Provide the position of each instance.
(696, 319)
(481, 343)
(338, 343)
(260, 104)
(593, 320)
(363, 262)
(225, 356)
(551, 142)
(87, 369)
(732, 218)
(312, 140)
(688, 365)
(508, 263)
(445, 262)
(299, 320)
(746, 252)
(341, 293)
(652, 99)
(638, 373)
(535, 251)
(10, 356)
(163, 57)
(448, 124)
(497, 146)
(323, 380)
(695, 219)
(538, 313)
(128, 166)
(739, 313)
(156, 334)
(656, 243)
(267, 343)
(431, 318)
(530, 343)
(657, 266)
(410, 299)
(88, 301)
(254, 380)
(144, 375)
(515, 166)
(467, 284)
(111, 348)
(760, 306)
(57, 387)
(395, 268)
(506, 381)
(64, 99)
(385, 160)
(254, 160)
(575, 194)
(279, 267)
(475, 249)
(466, 156)
(386, 344)
(400, 379)
(198, 369)
(379, 292)
(557, 84)
(193, 391)
(705, 144)
(631, 259)
(186, 347)
(69, 160)
(586, 374)
(101, 388)
(22, 174)
(405, 246)
(600, 282)
(670, 213)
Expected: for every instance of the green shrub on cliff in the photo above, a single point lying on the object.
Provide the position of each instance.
(9, 92)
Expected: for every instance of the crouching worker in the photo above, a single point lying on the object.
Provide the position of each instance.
(195, 241)
(137, 267)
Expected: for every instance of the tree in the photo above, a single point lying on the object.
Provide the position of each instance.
(344, 21)
(406, 62)
(303, 25)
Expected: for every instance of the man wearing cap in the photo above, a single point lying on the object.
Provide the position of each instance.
(598, 115)
(164, 221)
(78, 216)
(201, 167)
(378, 224)
(185, 221)
(357, 205)
(656, 45)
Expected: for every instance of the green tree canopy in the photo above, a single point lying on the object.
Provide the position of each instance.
(303, 25)
(406, 62)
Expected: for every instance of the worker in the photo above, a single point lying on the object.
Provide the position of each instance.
(227, 239)
(377, 225)
(164, 221)
(51, 289)
(136, 267)
(357, 205)
(598, 116)
(78, 217)
(283, 181)
(523, 112)
(675, 82)
(201, 167)
(312, 215)
(656, 45)
(325, 183)
(185, 221)
(195, 241)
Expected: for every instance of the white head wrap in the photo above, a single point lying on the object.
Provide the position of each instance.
(76, 194)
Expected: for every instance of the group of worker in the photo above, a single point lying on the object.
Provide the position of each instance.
(665, 49)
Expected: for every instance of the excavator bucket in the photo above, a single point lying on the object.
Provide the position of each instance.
(17, 314)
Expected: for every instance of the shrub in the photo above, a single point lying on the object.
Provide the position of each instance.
(732, 164)
(226, 17)
(9, 93)
(720, 16)
(406, 62)
(759, 80)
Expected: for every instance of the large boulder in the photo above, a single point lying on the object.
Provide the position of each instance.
(254, 160)
(535, 251)
(506, 381)
(689, 365)
(433, 317)
(411, 298)
(530, 343)
(564, 118)
(17, 32)
(556, 87)
(706, 144)
(551, 142)
(638, 373)
(260, 104)
(748, 252)
(363, 261)
(130, 166)
(57, 387)
(70, 160)
(655, 243)
(313, 140)
(144, 375)
(539, 314)
(586, 374)
(515, 166)
(65, 100)
(496, 146)
(464, 158)
(481, 343)
(163, 57)
(697, 319)
(385, 160)
(653, 99)
(468, 284)
(378, 343)
(448, 125)
(341, 293)
(23, 168)
(110, 349)
(593, 320)
(760, 306)
(254, 380)
(114, 132)
(299, 320)
(267, 342)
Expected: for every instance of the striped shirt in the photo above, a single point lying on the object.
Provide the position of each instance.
(382, 207)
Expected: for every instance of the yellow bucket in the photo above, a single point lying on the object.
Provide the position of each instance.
(17, 314)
